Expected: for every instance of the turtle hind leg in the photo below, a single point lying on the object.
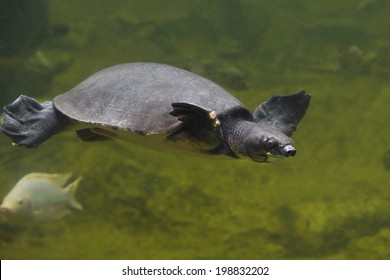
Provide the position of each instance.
(203, 123)
(29, 123)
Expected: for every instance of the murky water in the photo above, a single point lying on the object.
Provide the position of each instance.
(331, 201)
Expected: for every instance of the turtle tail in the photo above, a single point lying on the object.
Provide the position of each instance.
(29, 123)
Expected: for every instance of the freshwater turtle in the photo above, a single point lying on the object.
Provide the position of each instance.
(160, 106)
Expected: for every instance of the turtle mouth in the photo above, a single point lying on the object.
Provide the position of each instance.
(261, 158)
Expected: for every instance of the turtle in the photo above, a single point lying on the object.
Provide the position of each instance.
(161, 107)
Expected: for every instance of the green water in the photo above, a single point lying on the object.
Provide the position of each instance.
(331, 201)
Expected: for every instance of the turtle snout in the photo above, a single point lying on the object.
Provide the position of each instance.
(289, 151)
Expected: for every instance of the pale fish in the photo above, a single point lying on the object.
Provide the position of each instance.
(41, 197)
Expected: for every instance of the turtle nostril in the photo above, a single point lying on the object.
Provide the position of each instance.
(289, 151)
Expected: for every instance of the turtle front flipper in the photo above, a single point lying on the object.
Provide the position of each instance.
(29, 123)
(202, 122)
(283, 112)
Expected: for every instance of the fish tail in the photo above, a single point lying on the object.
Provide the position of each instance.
(71, 191)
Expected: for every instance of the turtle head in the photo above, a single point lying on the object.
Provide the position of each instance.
(258, 141)
(268, 142)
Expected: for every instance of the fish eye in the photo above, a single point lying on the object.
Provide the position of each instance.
(271, 143)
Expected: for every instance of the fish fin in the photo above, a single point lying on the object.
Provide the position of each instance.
(57, 179)
(50, 214)
(71, 191)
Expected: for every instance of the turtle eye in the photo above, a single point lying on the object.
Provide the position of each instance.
(271, 143)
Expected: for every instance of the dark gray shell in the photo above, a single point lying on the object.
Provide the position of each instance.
(138, 97)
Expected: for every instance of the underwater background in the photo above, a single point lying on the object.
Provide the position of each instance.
(331, 201)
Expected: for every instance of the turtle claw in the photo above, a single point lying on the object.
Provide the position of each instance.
(190, 113)
(213, 117)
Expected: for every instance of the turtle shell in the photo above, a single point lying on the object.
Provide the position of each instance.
(138, 97)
